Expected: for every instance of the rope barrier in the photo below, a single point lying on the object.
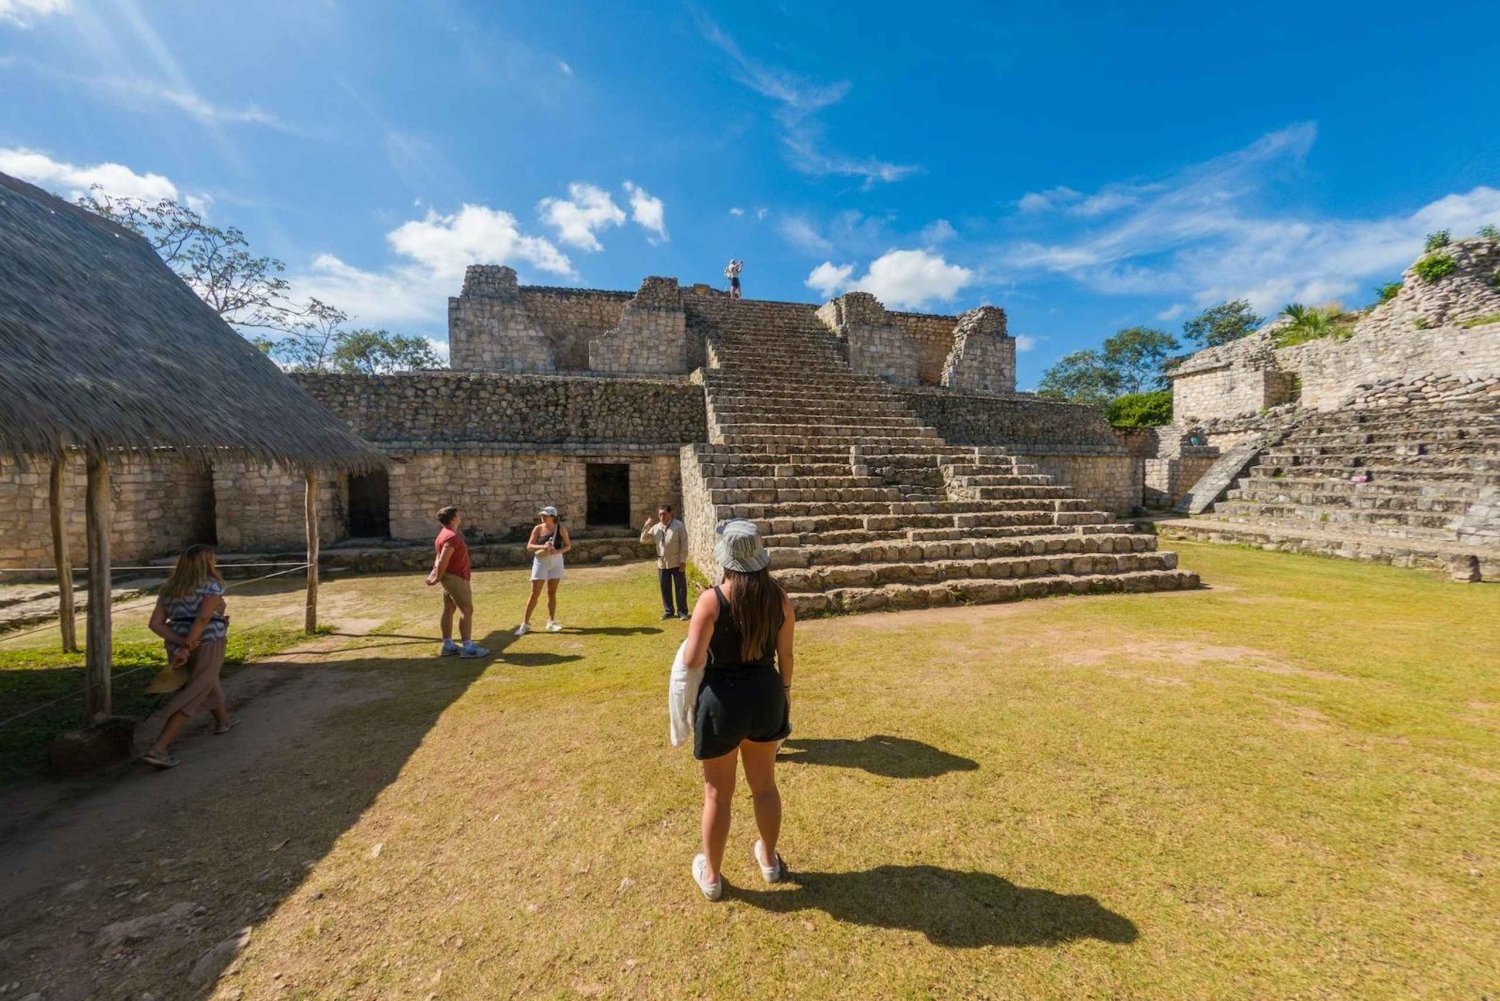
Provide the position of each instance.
(165, 568)
(136, 670)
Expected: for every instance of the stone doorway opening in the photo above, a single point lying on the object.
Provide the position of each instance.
(607, 486)
(370, 506)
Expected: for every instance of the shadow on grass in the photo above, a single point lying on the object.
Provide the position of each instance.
(893, 757)
(962, 910)
(259, 809)
(613, 630)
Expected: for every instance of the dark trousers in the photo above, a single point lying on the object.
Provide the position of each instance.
(673, 581)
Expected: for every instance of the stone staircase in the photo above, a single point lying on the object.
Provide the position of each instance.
(1432, 497)
(864, 506)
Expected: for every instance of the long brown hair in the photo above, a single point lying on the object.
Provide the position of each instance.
(756, 611)
(195, 567)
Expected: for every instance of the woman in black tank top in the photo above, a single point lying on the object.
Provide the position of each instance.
(742, 634)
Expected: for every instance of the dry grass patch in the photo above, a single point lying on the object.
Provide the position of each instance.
(982, 802)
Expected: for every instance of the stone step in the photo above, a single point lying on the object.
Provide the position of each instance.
(1329, 515)
(820, 553)
(1414, 486)
(1480, 447)
(827, 578)
(1370, 501)
(1002, 479)
(788, 441)
(896, 597)
(796, 509)
(880, 431)
(771, 482)
(797, 495)
(1379, 473)
(1412, 463)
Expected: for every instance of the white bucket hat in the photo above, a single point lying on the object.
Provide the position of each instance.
(739, 547)
(549, 511)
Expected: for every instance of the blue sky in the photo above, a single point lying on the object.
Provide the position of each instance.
(1087, 166)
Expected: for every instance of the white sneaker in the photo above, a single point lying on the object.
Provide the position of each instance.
(770, 873)
(714, 890)
(523, 629)
(554, 627)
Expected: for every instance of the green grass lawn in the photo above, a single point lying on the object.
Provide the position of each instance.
(1282, 786)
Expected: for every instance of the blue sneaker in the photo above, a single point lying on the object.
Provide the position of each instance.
(450, 649)
(472, 652)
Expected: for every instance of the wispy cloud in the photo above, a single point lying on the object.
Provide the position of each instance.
(23, 13)
(800, 101)
(648, 212)
(804, 235)
(1204, 233)
(829, 279)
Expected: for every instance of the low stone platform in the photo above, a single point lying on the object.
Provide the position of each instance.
(1424, 554)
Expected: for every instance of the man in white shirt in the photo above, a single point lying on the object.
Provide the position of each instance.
(670, 537)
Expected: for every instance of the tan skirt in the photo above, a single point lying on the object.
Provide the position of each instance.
(202, 692)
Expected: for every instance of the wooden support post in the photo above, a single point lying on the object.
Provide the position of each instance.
(311, 505)
(62, 560)
(97, 663)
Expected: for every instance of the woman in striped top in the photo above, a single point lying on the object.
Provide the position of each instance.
(190, 618)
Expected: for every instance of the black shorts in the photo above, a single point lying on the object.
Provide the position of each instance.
(739, 703)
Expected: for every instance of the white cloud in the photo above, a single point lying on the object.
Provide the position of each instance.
(432, 254)
(938, 231)
(189, 102)
(73, 180)
(1040, 201)
(829, 279)
(911, 278)
(647, 211)
(804, 235)
(761, 213)
(562, 64)
(21, 12)
(799, 102)
(1173, 311)
(1203, 235)
(736, 211)
(1024, 343)
(577, 218)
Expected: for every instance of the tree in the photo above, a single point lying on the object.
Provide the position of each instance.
(246, 290)
(1138, 356)
(375, 352)
(310, 343)
(1140, 410)
(1228, 321)
(1081, 377)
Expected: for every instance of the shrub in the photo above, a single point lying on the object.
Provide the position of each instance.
(1311, 323)
(1436, 241)
(1490, 232)
(1434, 266)
(1480, 321)
(1388, 291)
(1141, 410)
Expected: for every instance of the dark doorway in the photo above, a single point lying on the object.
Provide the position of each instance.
(608, 486)
(370, 506)
(205, 511)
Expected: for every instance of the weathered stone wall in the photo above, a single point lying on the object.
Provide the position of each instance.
(490, 328)
(650, 337)
(418, 407)
(1471, 291)
(1333, 369)
(501, 491)
(983, 356)
(264, 507)
(162, 505)
(1234, 379)
(1110, 482)
(876, 345)
(932, 335)
(698, 511)
(1012, 420)
(571, 318)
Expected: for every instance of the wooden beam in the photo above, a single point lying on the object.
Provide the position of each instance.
(310, 504)
(62, 559)
(98, 640)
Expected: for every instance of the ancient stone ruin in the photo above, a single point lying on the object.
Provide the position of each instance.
(885, 454)
(1383, 445)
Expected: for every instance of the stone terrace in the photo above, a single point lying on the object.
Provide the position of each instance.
(863, 505)
(1431, 450)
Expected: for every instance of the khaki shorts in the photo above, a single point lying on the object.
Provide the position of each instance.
(457, 590)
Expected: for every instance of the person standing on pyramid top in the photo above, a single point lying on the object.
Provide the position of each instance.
(732, 272)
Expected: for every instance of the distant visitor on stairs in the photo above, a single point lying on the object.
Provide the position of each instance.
(732, 272)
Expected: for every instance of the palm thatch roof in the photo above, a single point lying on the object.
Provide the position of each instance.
(103, 347)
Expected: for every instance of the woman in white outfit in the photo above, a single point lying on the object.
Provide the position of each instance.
(548, 542)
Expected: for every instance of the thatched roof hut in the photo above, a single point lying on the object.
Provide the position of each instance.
(102, 347)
